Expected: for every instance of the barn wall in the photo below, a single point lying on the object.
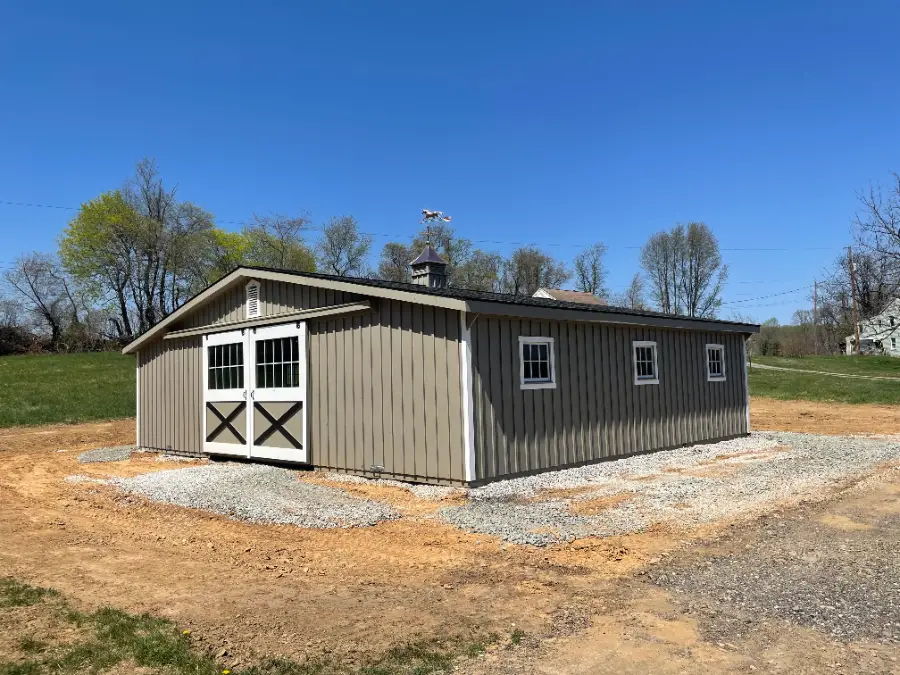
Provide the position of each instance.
(596, 411)
(170, 395)
(385, 390)
(276, 297)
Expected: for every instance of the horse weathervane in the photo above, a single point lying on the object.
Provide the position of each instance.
(434, 216)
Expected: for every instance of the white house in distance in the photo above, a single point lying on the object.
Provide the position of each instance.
(878, 334)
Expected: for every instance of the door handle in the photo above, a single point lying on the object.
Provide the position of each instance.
(245, 394)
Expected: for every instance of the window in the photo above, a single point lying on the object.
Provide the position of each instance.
(252, 307)
(893, 343)
(537, 364)
(892, 321)
(278, 363)
(225, 365)
(645, 370)
(715, 362)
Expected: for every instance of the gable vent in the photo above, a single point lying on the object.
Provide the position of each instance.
(253, 300)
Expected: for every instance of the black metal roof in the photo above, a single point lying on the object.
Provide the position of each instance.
(485, 296)
(428, 255)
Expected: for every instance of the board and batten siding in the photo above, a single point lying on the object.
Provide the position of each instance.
(596, 411)
(383, 387)
(170, 395)
(385, 392)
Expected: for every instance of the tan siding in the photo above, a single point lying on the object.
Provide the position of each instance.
(596, 410)
(170, 396)
(403, 357)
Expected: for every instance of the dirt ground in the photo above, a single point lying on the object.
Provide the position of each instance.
(823, 418)
(257, 590)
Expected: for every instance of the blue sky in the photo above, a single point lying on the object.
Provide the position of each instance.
(559, 124)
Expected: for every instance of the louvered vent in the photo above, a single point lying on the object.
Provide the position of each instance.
(253, 300)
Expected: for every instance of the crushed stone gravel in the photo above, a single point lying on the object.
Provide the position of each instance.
(114, 454)
(258, 493)
(681, 488)
(844, 583)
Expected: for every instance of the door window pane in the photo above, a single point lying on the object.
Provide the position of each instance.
(278, 363)
(225, 365)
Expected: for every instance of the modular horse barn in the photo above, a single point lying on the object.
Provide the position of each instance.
(421, 382)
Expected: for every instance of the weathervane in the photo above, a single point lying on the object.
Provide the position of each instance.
(429, 217)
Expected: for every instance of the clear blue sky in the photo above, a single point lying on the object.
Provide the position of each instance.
(551, 123)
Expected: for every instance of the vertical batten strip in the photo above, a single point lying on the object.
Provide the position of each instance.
(465, 383)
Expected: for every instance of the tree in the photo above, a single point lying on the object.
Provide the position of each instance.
(877, 223)
(702, 275)
(137, 250)
(38, 280)
(277, 241)
(634, 296)
(343, 249)
(481, 272)
(590, 272)
(529, 269)
(685, 270)
(661, 260)
(394, 262)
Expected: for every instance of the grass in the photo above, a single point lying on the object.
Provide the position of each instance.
(787, 386)
(66, 388)
(110, 638)
(881, 366)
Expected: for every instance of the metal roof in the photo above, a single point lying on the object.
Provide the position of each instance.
(428, 255)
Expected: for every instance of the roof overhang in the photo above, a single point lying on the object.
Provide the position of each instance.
(565, 314)
(248, 273)
(498, 308)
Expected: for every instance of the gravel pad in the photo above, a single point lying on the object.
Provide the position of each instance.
(114, 454)
(258, 493)
(845, 584)
(682, 488)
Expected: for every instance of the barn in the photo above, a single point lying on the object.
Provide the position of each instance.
(427, 383)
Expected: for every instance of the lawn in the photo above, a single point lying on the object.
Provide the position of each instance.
(882, 366)
(787, 386)
(47, 389)
(48, 636)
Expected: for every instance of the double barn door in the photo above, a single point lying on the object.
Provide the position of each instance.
(255, 393)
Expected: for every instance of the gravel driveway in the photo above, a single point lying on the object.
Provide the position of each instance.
(835, 575)
(681, 488)
(258, 493)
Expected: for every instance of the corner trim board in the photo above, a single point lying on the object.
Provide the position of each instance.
(137, 399)
(465, 382)
(746, 386)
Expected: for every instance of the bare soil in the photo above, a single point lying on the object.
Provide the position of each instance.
(259, 590)
(823, 418)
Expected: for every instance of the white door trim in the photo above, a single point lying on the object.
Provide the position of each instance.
(226, 395)
(279, 394)
(465, 383)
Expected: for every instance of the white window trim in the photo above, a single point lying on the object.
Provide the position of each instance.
(634, 348)
(526, 339)
(709, 376)
(247, 312)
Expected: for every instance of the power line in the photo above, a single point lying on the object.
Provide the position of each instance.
(474, 241)
(763, 297)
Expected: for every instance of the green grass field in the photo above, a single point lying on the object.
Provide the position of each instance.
(882, 366)
(787, 386)
(47, 389)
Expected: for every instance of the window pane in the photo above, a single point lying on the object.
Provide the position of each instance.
(542, 352)
(276, 351)
(545, 371)
(276, 372)
(260, 375)
(240, 377)
(210, 379)
(240, 354)
(527, 370)
(259, 352)
(295, 382)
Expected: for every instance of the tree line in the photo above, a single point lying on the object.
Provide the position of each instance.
(133, 255)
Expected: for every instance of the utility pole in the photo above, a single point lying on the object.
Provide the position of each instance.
(815, 317)
(853, 297)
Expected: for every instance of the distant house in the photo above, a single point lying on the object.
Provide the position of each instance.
(569, 296)
(879, 334)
